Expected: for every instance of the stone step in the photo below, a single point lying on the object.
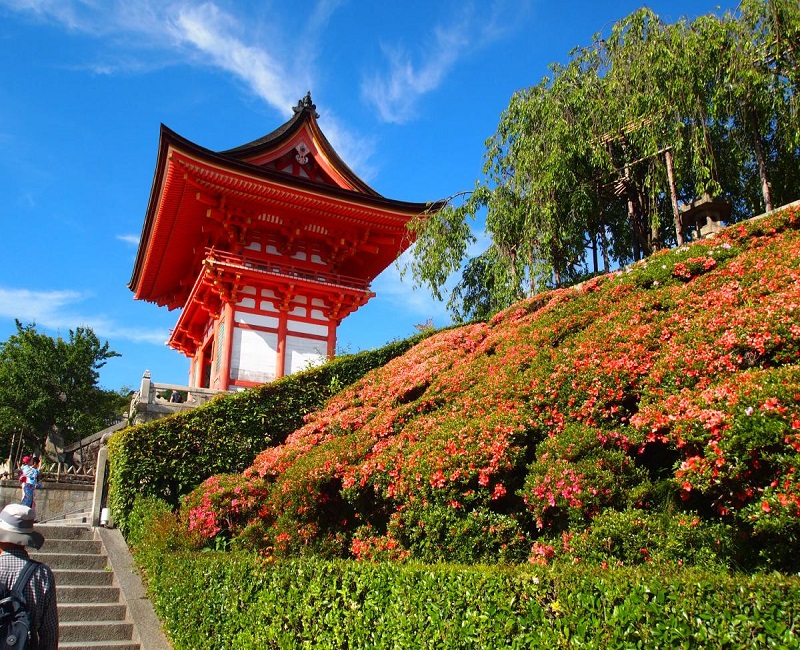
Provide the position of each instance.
(95, 631)
(99, 645)
(72, 546)
(69, 612)
(86, 594)
(93, 612)
(71, 519)
(67, 561)
(57, 532)
(79, 577)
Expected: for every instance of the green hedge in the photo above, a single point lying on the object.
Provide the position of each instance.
(169, 457)
(237, 600)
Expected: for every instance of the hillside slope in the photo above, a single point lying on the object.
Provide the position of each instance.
(652, 414)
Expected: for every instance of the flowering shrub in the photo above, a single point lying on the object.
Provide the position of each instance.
(169, 457)
(579, 473)
(665, 393)
(222, 507)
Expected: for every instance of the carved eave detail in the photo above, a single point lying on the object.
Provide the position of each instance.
(223, 276)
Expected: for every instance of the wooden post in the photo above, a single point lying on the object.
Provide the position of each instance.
(762, 174)
(674, 196)
(227, 346)
(331, 352)
(635, 230)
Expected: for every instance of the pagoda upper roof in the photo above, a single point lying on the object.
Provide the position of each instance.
(290, 181)
(305, 117)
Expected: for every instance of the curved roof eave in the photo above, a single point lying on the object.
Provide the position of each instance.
(169, 139)
(234, 164)
(164, 139)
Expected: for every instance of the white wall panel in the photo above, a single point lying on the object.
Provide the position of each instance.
(307, 328)
(304, 353)
(253, 357)
(256, 320)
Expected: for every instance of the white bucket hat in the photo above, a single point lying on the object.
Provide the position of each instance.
(16, 526)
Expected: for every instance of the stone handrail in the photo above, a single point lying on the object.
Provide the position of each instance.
(148, 404)
(149, 393)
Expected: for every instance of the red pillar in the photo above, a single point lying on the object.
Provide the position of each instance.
(227, 346)
(280, 361)
(332, 339)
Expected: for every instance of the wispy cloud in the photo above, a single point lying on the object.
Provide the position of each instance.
(133, 240)
(411, 73)
(396, 287)
(200, 34)
(60, 311)
(355, 149)
(141, 35)
(395, 93)
(212, 32)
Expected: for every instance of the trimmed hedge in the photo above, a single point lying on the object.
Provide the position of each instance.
(237, 600)
(168, 458)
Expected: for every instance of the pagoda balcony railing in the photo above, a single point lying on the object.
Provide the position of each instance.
(282, 269)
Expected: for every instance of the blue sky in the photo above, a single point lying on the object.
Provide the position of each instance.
(407, 92)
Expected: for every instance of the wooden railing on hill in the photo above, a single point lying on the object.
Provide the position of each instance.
(84, 462)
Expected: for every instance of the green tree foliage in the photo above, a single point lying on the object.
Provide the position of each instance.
(593, 161)
(48, 386)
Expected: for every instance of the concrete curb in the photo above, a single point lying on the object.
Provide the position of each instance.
(140, 609)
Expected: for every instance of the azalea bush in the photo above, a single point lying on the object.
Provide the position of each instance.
(583, 424)
(168, 458)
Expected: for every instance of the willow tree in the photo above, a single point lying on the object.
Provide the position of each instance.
(760, 97)
(598, 155)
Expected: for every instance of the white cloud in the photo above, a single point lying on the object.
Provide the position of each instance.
(133, 240)
(395, 94)
(398, 288)
(355, 150)
(38, 306)
(193, 33)
(396, 284)
(408, 76)
(204, 35)
(57, 311)
(212, 32)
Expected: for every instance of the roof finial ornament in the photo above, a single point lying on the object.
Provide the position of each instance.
(306, 103)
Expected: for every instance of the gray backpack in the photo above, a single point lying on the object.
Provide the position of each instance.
(15, 617)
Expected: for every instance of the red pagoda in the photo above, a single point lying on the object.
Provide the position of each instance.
(266, 248)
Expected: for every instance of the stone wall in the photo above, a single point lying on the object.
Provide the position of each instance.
(52, 499)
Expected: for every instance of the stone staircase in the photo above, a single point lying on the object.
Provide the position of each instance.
(92, 610)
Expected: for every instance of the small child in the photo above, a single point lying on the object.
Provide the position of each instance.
(23, 473)
(30, 472)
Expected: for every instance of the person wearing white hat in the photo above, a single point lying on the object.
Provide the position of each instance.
(16, 532)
